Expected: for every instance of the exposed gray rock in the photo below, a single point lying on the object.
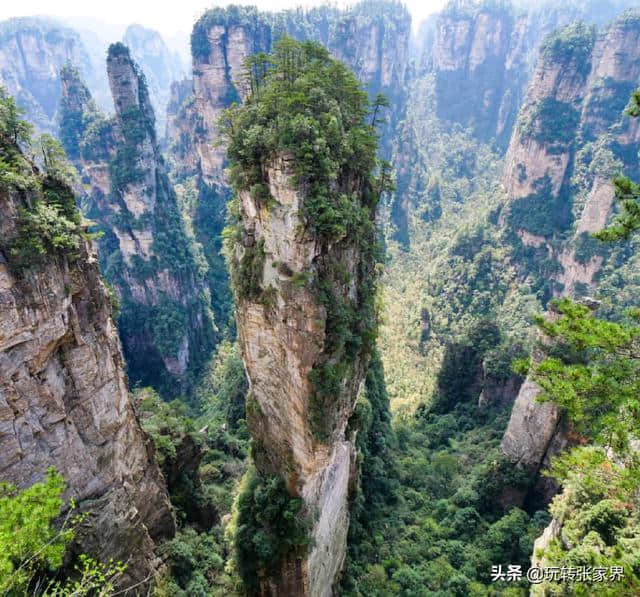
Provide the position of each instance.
(64, 403)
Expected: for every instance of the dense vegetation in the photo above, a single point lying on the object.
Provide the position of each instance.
(48, 222)
(35, 531)
(571, 45)
(591, 373)
(202, 453)
(270, 527)
(434, 509)
(308, 108)
(551, 123)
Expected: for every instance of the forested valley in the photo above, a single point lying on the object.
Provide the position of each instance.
(334, 303)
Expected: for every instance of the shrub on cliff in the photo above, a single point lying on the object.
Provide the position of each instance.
(309, 106)
(49, 222)
(32, 545)
(270, 526)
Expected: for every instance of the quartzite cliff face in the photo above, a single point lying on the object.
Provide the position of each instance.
(165, 322)
(160, 66)
(64, 402)
(570, 141)
(282, 339)
(483, 57)
(372, 38)
(32, 52)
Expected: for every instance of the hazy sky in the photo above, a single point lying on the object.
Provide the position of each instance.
(168, 16)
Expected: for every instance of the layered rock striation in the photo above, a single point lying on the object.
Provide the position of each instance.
(64, 399)
(483, 56)
(305, 305)
(165, 321)
(161, 66)
(571, 140)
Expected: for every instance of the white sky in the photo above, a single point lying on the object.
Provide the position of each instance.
(168, 16)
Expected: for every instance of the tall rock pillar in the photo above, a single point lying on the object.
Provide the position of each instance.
(305, 310)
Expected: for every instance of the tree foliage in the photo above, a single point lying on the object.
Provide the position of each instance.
(270, 526)
(627, 193)
(593, 373)
(33, 539)
(28, 539)
(308, 106)
(49, 224)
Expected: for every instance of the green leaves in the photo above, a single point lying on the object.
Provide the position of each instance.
(28, 541)
(571, 44)
(627, 193)
(627, 222)
(592, 371)
(309, 106)
(270, 525)
(600, 524)
(43, 230)
(12, 127)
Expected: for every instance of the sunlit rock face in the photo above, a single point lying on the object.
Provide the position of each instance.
(64, 403)
(165, 321)
(282, 337)
(564, 169)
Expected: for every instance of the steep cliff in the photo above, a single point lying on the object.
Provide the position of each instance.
(478, 74)
(371, 37)
(165, 322)
(160, 66)
(302, 251)
(483, 55)
(64, 399)
(570, 141)
(32, 52)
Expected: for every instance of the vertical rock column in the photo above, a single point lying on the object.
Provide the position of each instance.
(64, 402)
(302, 250)
(165, 322)
(283, 336)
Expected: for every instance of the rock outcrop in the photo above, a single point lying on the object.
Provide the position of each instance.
(372, 38)
(483, 56)
(64, 401)
(570, 141)
(281, 343)
(165, 321)
(160, 66)
(305, 306)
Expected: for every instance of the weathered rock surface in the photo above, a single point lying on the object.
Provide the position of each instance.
(165, 322)
(64, 403)
(484, 56)
(281, 342)
(593, 88)
(373, 43)
(160, 66)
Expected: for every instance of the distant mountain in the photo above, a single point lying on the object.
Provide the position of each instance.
(32, 52)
